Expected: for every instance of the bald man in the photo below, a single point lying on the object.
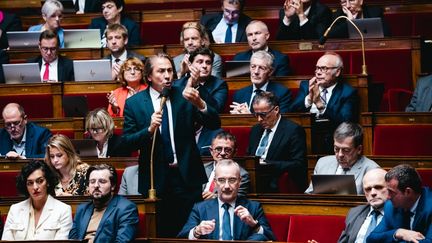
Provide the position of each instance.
(359, 219)
(21, 139)
(258, 35)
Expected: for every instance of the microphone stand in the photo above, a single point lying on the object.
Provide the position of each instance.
(324, 38)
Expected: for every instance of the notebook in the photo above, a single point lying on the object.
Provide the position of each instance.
(82, 38)
(92, 70)
(23, 39)
(334, 184)
(370, 28)
(237, 68)
(75, 106)
(21, 73)
(85, 147)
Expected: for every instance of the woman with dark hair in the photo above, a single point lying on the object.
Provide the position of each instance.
(40, 216)
(132, 80)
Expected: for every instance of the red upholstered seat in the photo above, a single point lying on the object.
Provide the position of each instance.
(426, 176)
(142, 230)
(279, 225)
(402, 140)
(151, 32)
(398, 99)
(287, 185)
(8, 183)
(242, 136)
(35, 106)
(68, 133)
(322, 228)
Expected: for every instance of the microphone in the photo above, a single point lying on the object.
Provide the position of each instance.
(323, 39)
(152, 192)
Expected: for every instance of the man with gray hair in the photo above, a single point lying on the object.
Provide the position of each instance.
(348, 158)
(257, 35)
(261, 69)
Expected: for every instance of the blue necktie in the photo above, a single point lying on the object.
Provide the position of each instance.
(228, 34)
(257, 91)
(324, 96)
(373, 223)
(226, 225)
(168, 155)
(263, 144)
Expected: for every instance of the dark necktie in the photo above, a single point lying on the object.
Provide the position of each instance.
(324, 96)
(257, 91)
(168, 155)
(373, 223)
(263, 144)
(226, 225)
(228, 34)
(117, 60)
(407, 219)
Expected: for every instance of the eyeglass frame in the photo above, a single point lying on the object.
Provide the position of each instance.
(264, 115)
(324, 69)
(227, 150)
(230, 180)
(46, 49)
(10, 125)
(97, 130)
(136, 69)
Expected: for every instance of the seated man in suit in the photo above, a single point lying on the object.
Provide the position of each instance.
(303, 20)
(200, 68)
(117, 39)
(229, 25)
(408, 213)
(227, 217)
(257, 35)
(53, 67)
(278, 142)
(355, 9)
(421, 100)
(21, 138)
(348, 158)
(192, 37)
(204, 137)
(261, 69)
(108, 217)
(362, 219)
(329, 97)
(224, 146)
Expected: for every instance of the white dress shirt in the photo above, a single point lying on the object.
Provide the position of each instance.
(53, 70)
(220, 31)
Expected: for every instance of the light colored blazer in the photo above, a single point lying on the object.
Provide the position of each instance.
(54, 223)
(328, 166)
(129, 182)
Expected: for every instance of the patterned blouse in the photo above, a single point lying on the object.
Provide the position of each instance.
(77, 186)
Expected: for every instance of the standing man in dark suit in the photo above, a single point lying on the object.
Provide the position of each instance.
(328, 96)
(261, 69)
(421, 101)
(117, 39)
(178, 169)
(21, 138)
(278, 142)
(53, 67)
(227, 217)
(303, 20)
(228, 26)
(201, 64)
(408, 213)
(257, 35)
(362, 219)
(223, 146)
(355, 9)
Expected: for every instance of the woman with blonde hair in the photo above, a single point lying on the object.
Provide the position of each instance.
(131, 78)
(100, 126)
(64, 161)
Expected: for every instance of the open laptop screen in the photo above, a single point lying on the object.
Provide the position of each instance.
(370, 28)
(334, 184)
(92, 70)
(21, 73)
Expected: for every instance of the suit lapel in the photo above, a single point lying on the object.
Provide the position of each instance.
(213, 211)
(277, 138)
(60, 70)
(358, 222)
(46, 212)
(29, 138)
(255, 140)
(357, 167)
(86, 220)
(335, 96)
(428, 100)
(238, 224)
(110, 209)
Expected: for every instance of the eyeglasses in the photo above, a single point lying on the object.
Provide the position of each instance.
(97, 130)
(9, 125)
(263, 114)
(46, 49)
(323, 69)
(135, 69)
(39, 181)
(230, 180)
(260, 68)
(231, 13)
(219, 150)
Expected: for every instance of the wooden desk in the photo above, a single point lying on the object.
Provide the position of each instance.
(21, 55)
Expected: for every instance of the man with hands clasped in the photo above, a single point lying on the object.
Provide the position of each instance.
(227, 217)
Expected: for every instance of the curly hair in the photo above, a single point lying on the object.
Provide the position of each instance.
(28, 169)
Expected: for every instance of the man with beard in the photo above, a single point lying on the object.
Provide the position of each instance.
(108, 217)
(348, 158)
(227, 217)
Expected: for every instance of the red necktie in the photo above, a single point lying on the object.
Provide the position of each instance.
(46, 73)
(212, 186)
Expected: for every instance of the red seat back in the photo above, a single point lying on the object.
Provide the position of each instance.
(398, 99)
(242, 136)
(8, 183)
(279, 225)
(322, 228)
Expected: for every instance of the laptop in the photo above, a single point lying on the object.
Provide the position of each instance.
(237, 68)
(370, 28)
(85, 147)
(82, 38)
(75, 106)
(92, 70)
(334, 184)
(23, 39)
(21, 73)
